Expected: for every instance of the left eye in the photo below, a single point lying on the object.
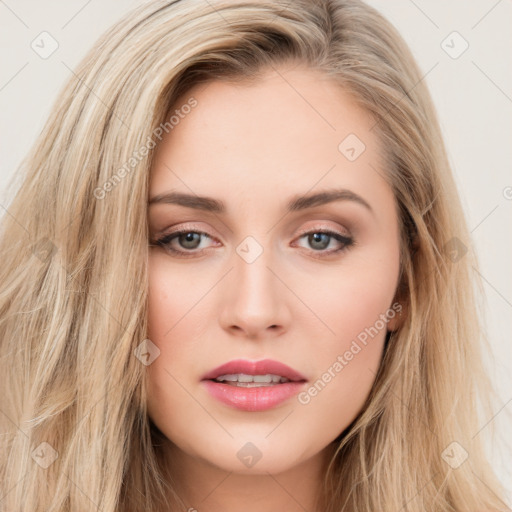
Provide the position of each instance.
(189, 240)
(320, 240)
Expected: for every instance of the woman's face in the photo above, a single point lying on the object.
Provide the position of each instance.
(257, 280)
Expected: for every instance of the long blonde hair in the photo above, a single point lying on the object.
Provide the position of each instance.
(74, 245)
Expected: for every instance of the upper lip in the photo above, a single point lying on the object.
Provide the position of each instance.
(263, 367)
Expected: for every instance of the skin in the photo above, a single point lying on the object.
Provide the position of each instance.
(254, 146)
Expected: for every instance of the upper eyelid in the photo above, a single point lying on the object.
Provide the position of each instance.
(322, 228)
(302, 232)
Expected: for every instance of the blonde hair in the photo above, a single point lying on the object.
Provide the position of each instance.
(74, 248)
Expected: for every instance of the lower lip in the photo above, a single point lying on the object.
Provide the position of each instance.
(253, 399)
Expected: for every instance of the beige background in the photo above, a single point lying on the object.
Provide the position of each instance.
(473, 94)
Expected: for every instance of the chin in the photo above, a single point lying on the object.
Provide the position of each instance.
(257, 455)
(278, 463)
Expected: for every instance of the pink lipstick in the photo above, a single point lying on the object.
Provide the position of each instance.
(253, 385)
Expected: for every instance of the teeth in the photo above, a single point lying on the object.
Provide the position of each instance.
(260, 378)
(230, 378)
(244, 380)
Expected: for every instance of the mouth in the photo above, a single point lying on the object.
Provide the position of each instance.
(251, 381)
(253, 385)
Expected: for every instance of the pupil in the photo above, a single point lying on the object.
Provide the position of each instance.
(317, 237)
(189, 237)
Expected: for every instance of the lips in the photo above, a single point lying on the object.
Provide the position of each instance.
(285, 382)
(263, 367)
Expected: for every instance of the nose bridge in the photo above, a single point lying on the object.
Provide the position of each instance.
(255, 300)
(255, 284)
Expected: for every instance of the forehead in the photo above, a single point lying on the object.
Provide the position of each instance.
(292, 129)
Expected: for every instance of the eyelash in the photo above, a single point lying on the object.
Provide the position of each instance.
(165, 241)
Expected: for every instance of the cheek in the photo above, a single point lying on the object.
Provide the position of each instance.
(171, 316)
(354, 298)
(174, 313)
(354, 305)
(174, 307)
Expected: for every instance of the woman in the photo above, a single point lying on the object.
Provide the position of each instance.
(245, 278)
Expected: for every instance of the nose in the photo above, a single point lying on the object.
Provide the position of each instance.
(254, 303)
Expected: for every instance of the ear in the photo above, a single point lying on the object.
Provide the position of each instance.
(397, 314)
(399, 308)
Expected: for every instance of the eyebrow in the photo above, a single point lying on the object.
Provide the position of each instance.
(296, 203)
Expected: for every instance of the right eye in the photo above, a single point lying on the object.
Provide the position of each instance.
(187, 239)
